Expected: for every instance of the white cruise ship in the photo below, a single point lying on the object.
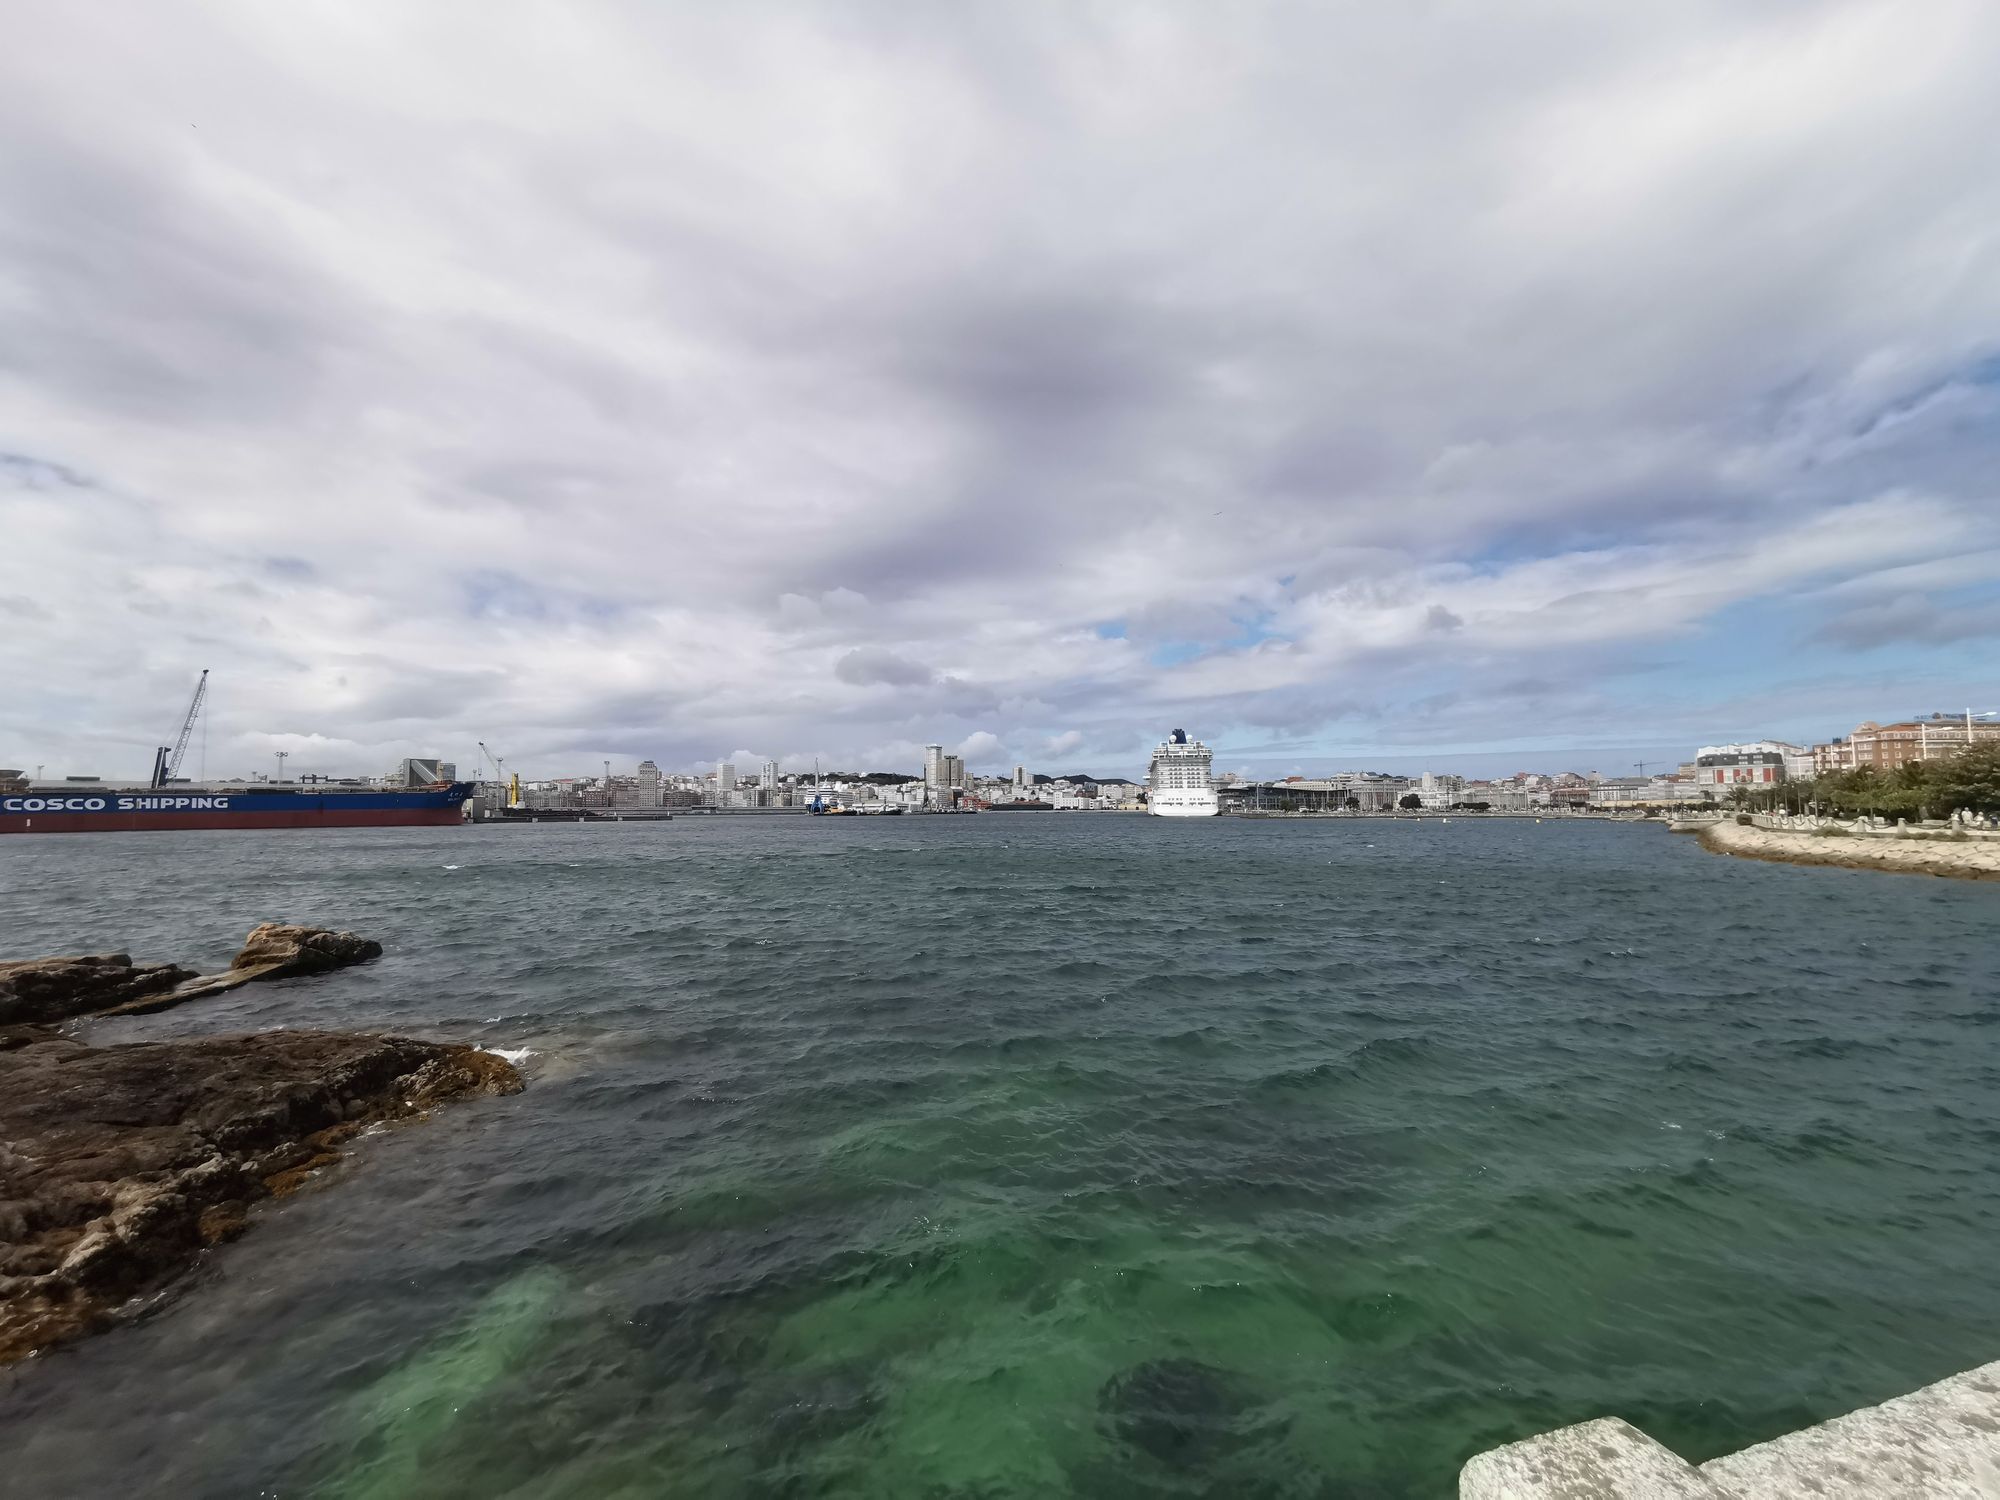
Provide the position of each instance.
(1178, 784)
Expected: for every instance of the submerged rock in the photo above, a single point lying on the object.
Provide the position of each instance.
(119, 1165)
(1187, 1414)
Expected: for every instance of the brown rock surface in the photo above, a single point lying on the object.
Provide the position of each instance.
(42, 990)
(118, 1165)
(273, 950)
(55, 989)
(279, 948)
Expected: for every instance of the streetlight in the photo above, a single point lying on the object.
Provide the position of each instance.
(281, 763)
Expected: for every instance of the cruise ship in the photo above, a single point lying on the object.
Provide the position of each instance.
(1178, 783)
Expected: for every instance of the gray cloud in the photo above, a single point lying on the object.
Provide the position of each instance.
(1442, 620)
(1911, 618)
(866, 665)
(857, 378)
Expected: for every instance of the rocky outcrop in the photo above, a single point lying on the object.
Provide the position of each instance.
(41, 990)
(55, 989)
(1960, 856)
(274, 950)
(119, 1165)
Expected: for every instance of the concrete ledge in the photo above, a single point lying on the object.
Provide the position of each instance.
(1942, 1441)
(1606, 1458)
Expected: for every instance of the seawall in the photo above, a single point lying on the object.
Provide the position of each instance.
(1968, 858)
(1943, 1440)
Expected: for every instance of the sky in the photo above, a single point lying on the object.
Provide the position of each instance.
(1549, 385)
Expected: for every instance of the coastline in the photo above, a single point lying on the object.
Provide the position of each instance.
(122, 1165)
(1940, 855)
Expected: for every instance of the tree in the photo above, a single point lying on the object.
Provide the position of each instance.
(1969, 779)
(1916, 789)
(1411, 803)
(1354, 804)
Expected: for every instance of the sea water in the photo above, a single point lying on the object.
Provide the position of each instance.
(1050, 1155)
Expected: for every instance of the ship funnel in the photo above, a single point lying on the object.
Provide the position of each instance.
(1180, 736)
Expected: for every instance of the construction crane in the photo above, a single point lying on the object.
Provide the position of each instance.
(167, 761)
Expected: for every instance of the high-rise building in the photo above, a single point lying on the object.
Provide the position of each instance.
(934, 768)
(645, 790)
(725, 783)
(770, 780)
(1021, 778)
(954, 771)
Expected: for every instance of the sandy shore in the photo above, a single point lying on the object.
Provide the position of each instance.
(1972, 859)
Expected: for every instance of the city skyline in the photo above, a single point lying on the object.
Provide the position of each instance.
(1350, 389)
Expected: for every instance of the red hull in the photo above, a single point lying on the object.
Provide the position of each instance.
(145, 822)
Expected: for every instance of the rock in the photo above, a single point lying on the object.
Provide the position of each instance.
(40, 990)
(54, 989)
(273, 950)
(119, 1165)
(1906, 854)
(279, 948)
(1186, 1413)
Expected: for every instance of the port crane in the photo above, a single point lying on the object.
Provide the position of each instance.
(167, 761)
(513, 788)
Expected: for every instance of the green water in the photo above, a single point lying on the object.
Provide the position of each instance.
(1054, 1156)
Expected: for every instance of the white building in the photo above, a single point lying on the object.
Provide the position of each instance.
(1612, 792)
(1755, 763)
(1439, 792)
(770, 781)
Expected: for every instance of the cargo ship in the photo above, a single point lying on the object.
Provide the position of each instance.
(430, 795)
(70, 807)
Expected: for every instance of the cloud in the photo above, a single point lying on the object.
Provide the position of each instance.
(1918, 618)
(653, 378)
(866, 666)
(1442, 620)
(981, 748)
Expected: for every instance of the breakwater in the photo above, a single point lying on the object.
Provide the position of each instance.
(1962, 856)
(1941, 1441)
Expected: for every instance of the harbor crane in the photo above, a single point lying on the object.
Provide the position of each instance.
(513, 788)
(167, 760)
